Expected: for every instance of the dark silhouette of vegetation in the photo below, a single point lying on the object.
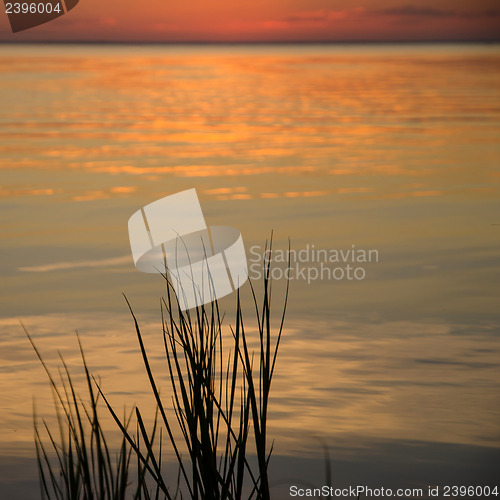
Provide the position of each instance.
(220, 398)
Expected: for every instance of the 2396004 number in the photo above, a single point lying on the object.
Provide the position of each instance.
(469, 491)
(32, 8)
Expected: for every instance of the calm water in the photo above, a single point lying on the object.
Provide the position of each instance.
(394, 149)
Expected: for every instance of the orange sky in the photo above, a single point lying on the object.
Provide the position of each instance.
(264, 20)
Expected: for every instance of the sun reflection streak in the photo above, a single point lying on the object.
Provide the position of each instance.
(343, 121)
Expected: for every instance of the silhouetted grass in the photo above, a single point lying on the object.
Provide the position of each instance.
(220, 398)
(77, 463)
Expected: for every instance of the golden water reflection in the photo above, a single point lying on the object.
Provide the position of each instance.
(336, 118)
(393, 149)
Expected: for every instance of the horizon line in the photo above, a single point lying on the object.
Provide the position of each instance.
(255, 42)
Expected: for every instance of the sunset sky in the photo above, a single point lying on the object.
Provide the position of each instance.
(261, 20)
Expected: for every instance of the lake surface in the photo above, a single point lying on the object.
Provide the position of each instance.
(393, 149)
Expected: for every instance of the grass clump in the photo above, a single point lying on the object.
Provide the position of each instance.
(217, 430)
(77, 462)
